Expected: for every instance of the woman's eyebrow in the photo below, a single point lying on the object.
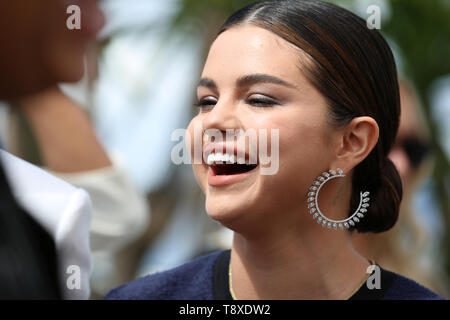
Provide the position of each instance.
(247, 80)
(260, 77)
(208, 83)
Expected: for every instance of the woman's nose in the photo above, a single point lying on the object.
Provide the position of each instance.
(222, 116)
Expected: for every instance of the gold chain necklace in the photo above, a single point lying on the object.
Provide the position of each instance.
(230, 283)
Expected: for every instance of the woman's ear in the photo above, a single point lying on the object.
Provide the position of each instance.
(356, 141)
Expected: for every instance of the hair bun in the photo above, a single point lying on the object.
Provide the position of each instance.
(385, 204)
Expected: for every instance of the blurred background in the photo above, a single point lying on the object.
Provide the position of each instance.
(140, 88)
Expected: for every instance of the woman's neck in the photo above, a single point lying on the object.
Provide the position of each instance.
(296, 266)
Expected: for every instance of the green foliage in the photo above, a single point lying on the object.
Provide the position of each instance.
(204, 9)
(422, 30)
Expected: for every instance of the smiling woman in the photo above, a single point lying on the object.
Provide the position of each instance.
(316, 73)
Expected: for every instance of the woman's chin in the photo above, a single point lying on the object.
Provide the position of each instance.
(225, 215)
(231, 207)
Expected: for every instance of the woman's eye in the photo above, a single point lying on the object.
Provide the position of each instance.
(261, 101)
(206, 102)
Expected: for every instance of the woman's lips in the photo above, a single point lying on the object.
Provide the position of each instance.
(227, 154)
(224, 180)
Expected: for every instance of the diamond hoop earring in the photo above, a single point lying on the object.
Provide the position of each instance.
(313, 204)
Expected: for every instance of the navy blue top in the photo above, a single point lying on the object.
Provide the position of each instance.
(206, 278)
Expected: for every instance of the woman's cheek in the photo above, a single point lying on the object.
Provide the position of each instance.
(198, 169)
(200, 176)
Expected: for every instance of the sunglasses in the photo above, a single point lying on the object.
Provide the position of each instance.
(415, 148)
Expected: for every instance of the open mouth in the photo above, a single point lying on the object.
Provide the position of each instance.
(224, 164)
(230, 169)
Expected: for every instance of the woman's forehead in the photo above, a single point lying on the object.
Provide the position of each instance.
(249, 49)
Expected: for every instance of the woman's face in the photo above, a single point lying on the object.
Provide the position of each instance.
(253, 80)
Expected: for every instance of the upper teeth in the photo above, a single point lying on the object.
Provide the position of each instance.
(224, 158)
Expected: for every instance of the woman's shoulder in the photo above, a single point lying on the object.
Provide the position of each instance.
(403, 288)
(192, 280)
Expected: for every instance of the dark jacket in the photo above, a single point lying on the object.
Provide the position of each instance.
(206, 278)
(28, 260)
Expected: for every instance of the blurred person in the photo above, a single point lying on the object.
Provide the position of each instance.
(37, 52)
(145, 65)
(329, 84)
(70, 150)
(403, 248)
